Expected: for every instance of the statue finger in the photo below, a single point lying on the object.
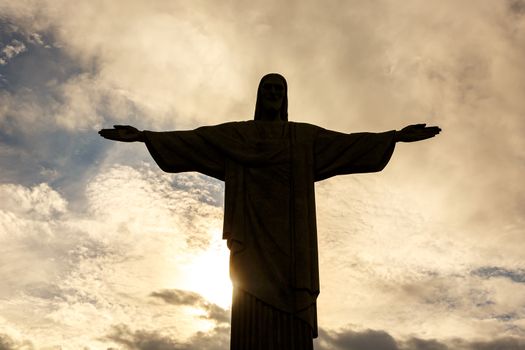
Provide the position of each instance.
(108, 133)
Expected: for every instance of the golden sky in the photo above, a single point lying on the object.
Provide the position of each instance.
(99, 249)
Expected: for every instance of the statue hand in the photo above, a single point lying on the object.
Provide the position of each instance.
(123, 133)
(416, 132)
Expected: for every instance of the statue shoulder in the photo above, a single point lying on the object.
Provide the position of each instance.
(306, 130)
(224, 126)
(305, 126)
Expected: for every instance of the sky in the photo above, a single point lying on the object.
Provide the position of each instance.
(99, 249)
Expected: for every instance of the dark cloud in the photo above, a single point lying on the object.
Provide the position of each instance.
(498, 344)
(143, 340)
(507, 317)
(517, 6)
(8, 343)
(504, 343)
(179, 297)
(352, 340)
(516, 275)
(216, 339)
(423, 344)
(187, 298)
(348, 339)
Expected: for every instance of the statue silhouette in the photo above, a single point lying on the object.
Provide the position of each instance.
(269, 166)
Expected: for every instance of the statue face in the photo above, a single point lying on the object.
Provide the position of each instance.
(272, 94)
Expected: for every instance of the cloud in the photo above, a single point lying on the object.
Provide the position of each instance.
(67, 268)
(348, 339)
(517, 276)
(366, 340)
(11, 50)
(501, 343)
(49, 89)
(40, 200)
(517, 6)
(184, 205)
(217, 339)
(428, 246)
(39, 247)
(139, 72)
(8, 343)
(143, 340)
(181, 297)
(423, 344)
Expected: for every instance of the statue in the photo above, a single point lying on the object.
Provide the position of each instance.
(269, 166)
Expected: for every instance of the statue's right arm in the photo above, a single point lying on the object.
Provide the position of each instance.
(123, 133)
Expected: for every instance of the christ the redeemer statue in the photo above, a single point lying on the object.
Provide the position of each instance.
(269, 166)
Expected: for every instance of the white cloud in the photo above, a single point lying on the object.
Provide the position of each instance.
(40, 200)
(66, 269)
(11, 50)
(404, 270)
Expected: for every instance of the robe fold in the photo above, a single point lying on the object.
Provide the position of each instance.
(269, 169)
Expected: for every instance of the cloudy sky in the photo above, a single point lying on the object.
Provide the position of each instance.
(99, 249)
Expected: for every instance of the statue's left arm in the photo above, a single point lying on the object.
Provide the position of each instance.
(416, 132)
(338, 153)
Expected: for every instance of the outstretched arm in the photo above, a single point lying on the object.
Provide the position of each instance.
(416, 132)
(123, 133)
(175, 151)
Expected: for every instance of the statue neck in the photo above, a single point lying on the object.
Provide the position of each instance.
(270, 115)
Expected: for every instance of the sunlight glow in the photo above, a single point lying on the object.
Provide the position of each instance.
(208, 273)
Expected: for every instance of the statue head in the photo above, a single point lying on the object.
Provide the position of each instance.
(272, 98)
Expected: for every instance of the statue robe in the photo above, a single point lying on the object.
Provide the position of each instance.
(269, 169)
